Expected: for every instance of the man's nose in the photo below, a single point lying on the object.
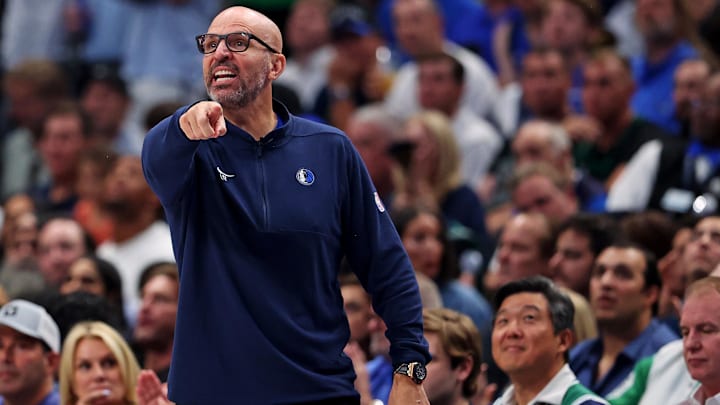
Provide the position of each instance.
(6, 353)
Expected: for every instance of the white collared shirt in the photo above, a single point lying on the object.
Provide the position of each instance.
(698, 398)
(553, 393)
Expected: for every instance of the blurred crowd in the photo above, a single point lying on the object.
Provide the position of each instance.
(574, 139)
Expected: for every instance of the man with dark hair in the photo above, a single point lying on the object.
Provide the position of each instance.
(140, 237)
(579, 240)
(530, 340)
(64, 136)
(155, 329)
(607, 89)
(440, 83)
(624, 289)
(106, 100)
(524, 249)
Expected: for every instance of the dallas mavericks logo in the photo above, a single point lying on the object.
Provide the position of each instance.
(305, 177)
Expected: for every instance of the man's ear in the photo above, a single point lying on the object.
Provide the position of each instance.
(53, 362)
(464, 368)
(565, 340)
(652, 294)
(278, 66)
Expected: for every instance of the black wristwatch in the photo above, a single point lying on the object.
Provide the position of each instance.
(416, 371)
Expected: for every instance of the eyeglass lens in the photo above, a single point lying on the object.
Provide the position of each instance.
(236, 42)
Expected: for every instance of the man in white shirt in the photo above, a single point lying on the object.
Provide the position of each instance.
(308, 38)
(139, 237)
(420, 32)
(700, 326)
(441, 81)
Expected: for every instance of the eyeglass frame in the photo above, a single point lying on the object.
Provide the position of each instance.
(223, 37)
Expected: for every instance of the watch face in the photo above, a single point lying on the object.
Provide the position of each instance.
(420, 372)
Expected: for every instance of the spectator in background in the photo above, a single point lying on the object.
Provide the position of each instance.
(97, 365)
(354, 75)
(672, 274)
(699, 323)
(496, 22)
(676, 176)
(379, 370)
(573, 27)
(18, 237)
(106, 101)
(456, 346)
(665, 377)
(155, 329)
(358, 308)
(524, 250)
(451, 10)
(689, 78)
(159, 112)
(545, 141)
(432, 176)
(91, 274)
(307, 34)
(374, 133)
(140, 237)
(653, 230)
(94, 28)
(419, 28)
(540, 93)
(538, 187)
(614, 132)
(29, 354)
(60, 243)
(620, 22)
(532, 334)
(624, 290)
(424, 236)
(33, 88)
(159, 61)
(32, 29)
(93, 166)
(65, 135)
(579, 241)
(80, 306)
(702, 251)
(441, 82)
(669, 38)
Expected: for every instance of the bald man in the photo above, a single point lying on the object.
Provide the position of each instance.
(262, 206)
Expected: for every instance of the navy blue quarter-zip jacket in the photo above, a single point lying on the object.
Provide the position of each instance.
(259, 229)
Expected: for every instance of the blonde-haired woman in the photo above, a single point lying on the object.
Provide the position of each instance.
(97, 366)
(432, 177)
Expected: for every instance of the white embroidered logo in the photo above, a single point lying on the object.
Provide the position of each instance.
(378, 202)
(224, 176)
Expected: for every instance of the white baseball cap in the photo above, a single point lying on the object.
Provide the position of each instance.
(31, 320)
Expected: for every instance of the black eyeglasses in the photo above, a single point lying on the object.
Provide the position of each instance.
(235, 41)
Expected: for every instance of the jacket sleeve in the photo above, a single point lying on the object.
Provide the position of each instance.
(376, 254)
(167, 157)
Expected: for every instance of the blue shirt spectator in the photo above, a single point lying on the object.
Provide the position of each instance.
(584, 357)
(453, 12)
(476, 30)
(653, 98)
(380, 371)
